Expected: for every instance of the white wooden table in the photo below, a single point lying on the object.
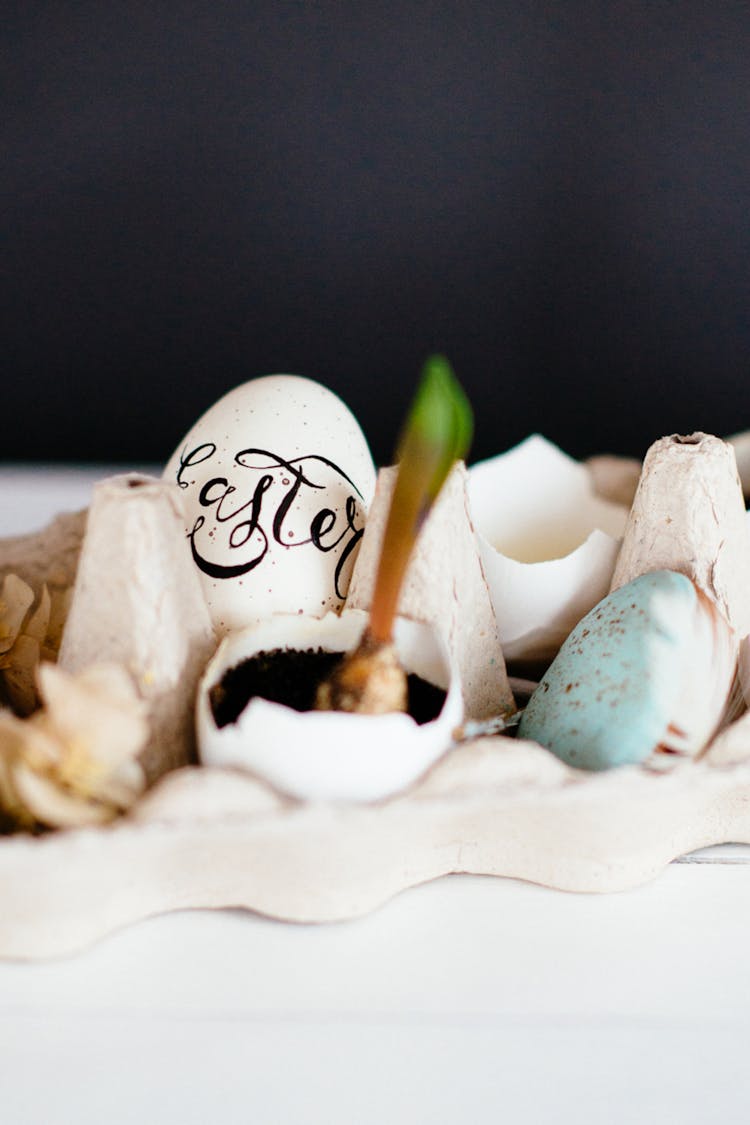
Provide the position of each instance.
(465, 1000)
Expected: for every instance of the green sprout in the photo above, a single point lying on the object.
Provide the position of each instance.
(437, 433)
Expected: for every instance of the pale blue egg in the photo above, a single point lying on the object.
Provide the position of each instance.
(611, 692)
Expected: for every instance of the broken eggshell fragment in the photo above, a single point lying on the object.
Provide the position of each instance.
(548, 544)
(650, 667)
(329, 755)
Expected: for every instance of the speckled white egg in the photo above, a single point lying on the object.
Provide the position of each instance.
(277, 478)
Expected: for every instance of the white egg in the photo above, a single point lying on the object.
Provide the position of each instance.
(277, 478)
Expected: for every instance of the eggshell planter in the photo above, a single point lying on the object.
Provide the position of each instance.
(326, 755)
(548, 544)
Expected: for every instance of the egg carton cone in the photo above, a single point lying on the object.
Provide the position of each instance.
(47, 557)
(137, 602)
(444, 587)
(689, 515)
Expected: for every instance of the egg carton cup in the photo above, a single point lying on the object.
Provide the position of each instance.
(209, 837)
(47, 557)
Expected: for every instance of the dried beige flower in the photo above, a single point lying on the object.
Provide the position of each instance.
(74, 762)
(16, 598)
(27, 637)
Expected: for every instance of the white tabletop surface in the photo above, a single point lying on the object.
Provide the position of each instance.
(465, 1000)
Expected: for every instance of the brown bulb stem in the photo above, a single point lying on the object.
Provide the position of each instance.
(369, 681)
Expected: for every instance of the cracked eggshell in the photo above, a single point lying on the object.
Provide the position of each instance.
(327, 755)
(276, 478)
(548, 544)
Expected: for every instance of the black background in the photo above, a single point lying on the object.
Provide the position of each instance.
(555, 194)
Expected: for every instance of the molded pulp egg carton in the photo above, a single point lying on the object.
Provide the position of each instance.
(209, 837)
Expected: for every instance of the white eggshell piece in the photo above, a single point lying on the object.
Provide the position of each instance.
(548, 544)
(327, 755)
(277, 478)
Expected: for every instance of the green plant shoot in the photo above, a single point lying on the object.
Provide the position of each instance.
(371, 680)
(437, 433)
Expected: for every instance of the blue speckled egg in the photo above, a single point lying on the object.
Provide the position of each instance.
(611, 692)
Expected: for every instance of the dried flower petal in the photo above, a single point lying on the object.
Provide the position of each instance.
(37, 625)
(54, 806)
(60, 605)
(16, 599)
(27, 636)
(18, 669)
(74, 762)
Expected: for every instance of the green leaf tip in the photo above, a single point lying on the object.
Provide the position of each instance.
(440, 424)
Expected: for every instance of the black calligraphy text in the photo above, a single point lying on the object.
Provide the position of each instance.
(264, 511)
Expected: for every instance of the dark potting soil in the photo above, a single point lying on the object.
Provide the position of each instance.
(291, 677)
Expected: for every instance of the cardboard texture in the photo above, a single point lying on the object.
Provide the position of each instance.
(444, 587)
(614, 478)
(137, 601)
(689, 515)
(206, 838)
(48, 556)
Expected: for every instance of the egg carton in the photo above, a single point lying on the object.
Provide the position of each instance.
(205, 837)
(210, 838)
